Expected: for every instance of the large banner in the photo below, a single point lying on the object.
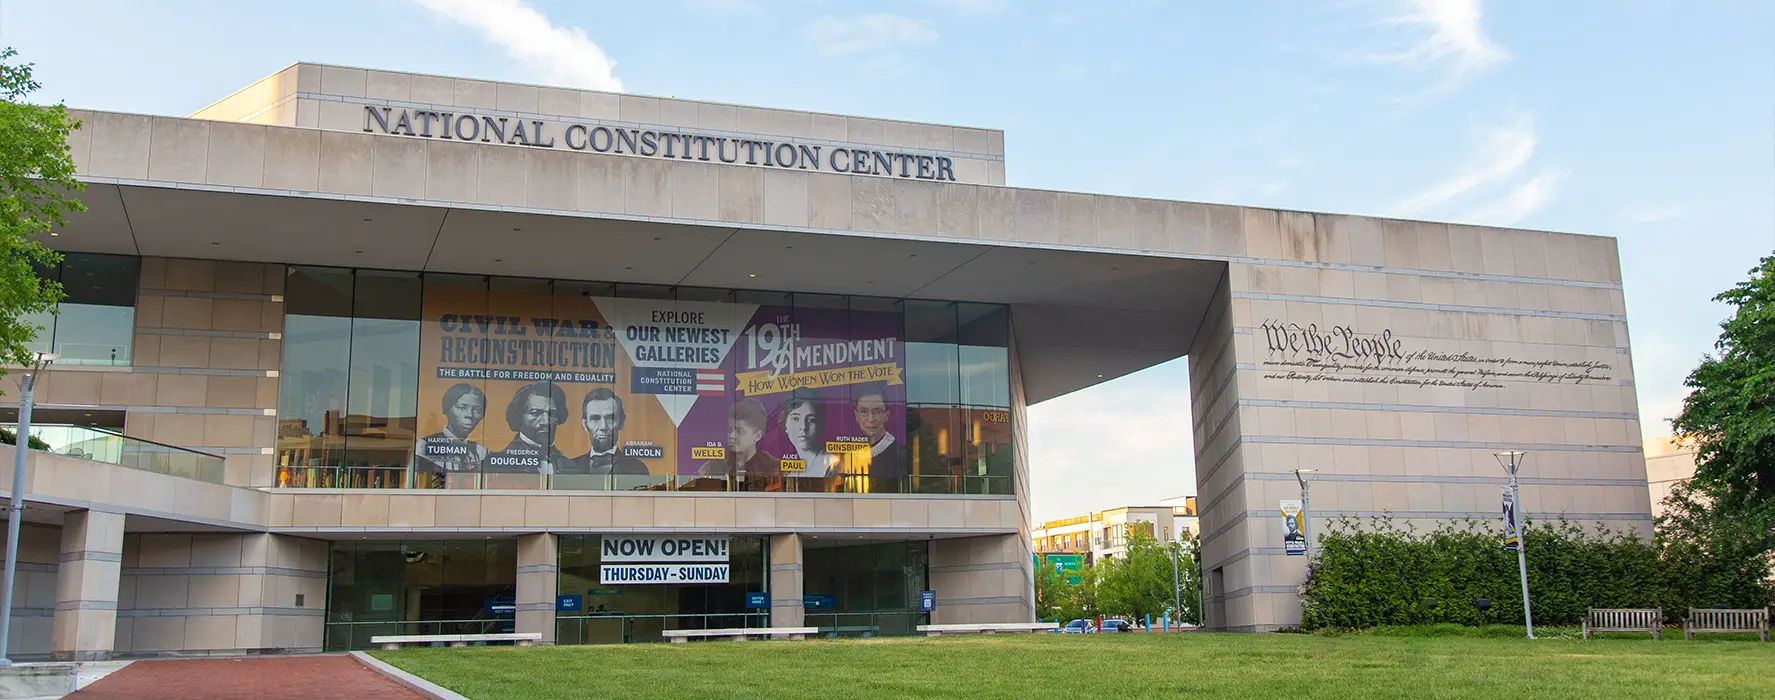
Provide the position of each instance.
(522, 387)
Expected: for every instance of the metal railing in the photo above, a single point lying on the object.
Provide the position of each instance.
(400, 477)
(355, 635)
(620, 628)
(110, 447)
(866, 624)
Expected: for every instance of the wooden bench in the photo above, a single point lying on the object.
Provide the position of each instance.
(988, 628)
(740, 634)
(394, 641)
(1727, 621)
(1624, 620)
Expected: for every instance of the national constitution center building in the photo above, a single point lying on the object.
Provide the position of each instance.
(355, 352)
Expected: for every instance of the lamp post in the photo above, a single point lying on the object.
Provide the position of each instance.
(1201, 586)
(1306, 506)
(1176, 583)
(27, 381)
(1512, 461)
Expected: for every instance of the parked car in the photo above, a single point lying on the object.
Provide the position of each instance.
(1080, 627)
(1115, 625)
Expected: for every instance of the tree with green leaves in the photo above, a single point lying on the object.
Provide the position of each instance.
(1059, 599)
(1713, 554)
(1729, 414)
(1138, 583)
(36, 187)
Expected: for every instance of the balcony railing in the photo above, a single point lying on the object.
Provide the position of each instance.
(406, 478)
(101, 445)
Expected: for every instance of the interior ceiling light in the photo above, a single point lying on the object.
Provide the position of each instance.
(753, 275)
(52, 233)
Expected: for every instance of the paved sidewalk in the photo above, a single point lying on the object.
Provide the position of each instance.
(257, 678)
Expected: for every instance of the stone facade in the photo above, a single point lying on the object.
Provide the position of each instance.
(1392, 357)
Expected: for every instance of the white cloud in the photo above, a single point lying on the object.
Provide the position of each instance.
(867, 34)
(1502, 153)
(972, 7)
(1651, 212)
(562, 55)
(1526, 198)
(1449, 33)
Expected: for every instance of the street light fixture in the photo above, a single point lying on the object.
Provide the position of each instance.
(20, 449)
(1306, 506)
(1512, 461)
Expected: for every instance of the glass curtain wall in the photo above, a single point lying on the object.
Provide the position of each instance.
(379, 587)
(442, 381)
(95, 323)
(865, 589)
(347, 400)
(619, 613)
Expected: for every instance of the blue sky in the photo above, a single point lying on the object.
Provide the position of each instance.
(1652, 121)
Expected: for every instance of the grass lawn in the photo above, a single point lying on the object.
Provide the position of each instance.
(1196, 665)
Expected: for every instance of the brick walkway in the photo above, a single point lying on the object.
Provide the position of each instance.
(317, 677)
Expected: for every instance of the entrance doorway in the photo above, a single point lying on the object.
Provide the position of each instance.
(383, 587)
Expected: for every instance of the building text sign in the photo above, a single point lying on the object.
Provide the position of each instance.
(651, 143)
(662, 573)
(1311, 353)
(663, 549)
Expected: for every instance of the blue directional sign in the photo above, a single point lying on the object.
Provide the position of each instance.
(757, 599)
(927, 600)
(819, 602)
(569, 603)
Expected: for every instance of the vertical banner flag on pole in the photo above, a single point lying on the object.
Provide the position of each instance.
(1294, 540)
(1510, 533)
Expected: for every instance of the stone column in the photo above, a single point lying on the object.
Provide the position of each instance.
(786, 581)
(538, 566)
(85, 626)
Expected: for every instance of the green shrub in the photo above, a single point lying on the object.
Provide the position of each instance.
(1374, 573)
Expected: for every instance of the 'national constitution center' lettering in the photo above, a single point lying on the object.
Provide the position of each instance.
(539, 133)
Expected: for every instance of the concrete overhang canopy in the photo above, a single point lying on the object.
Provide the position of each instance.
(1080, 317)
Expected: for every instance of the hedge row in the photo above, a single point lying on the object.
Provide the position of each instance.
(1371, 573)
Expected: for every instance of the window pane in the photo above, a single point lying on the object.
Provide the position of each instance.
(382, 407)
(453, 404)
(877, 409)
(933, 420)
(45, 322)
(523, 413)
(312, 380)
(95, 322)
(986, 396)
(93, 334)
(105, 280)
